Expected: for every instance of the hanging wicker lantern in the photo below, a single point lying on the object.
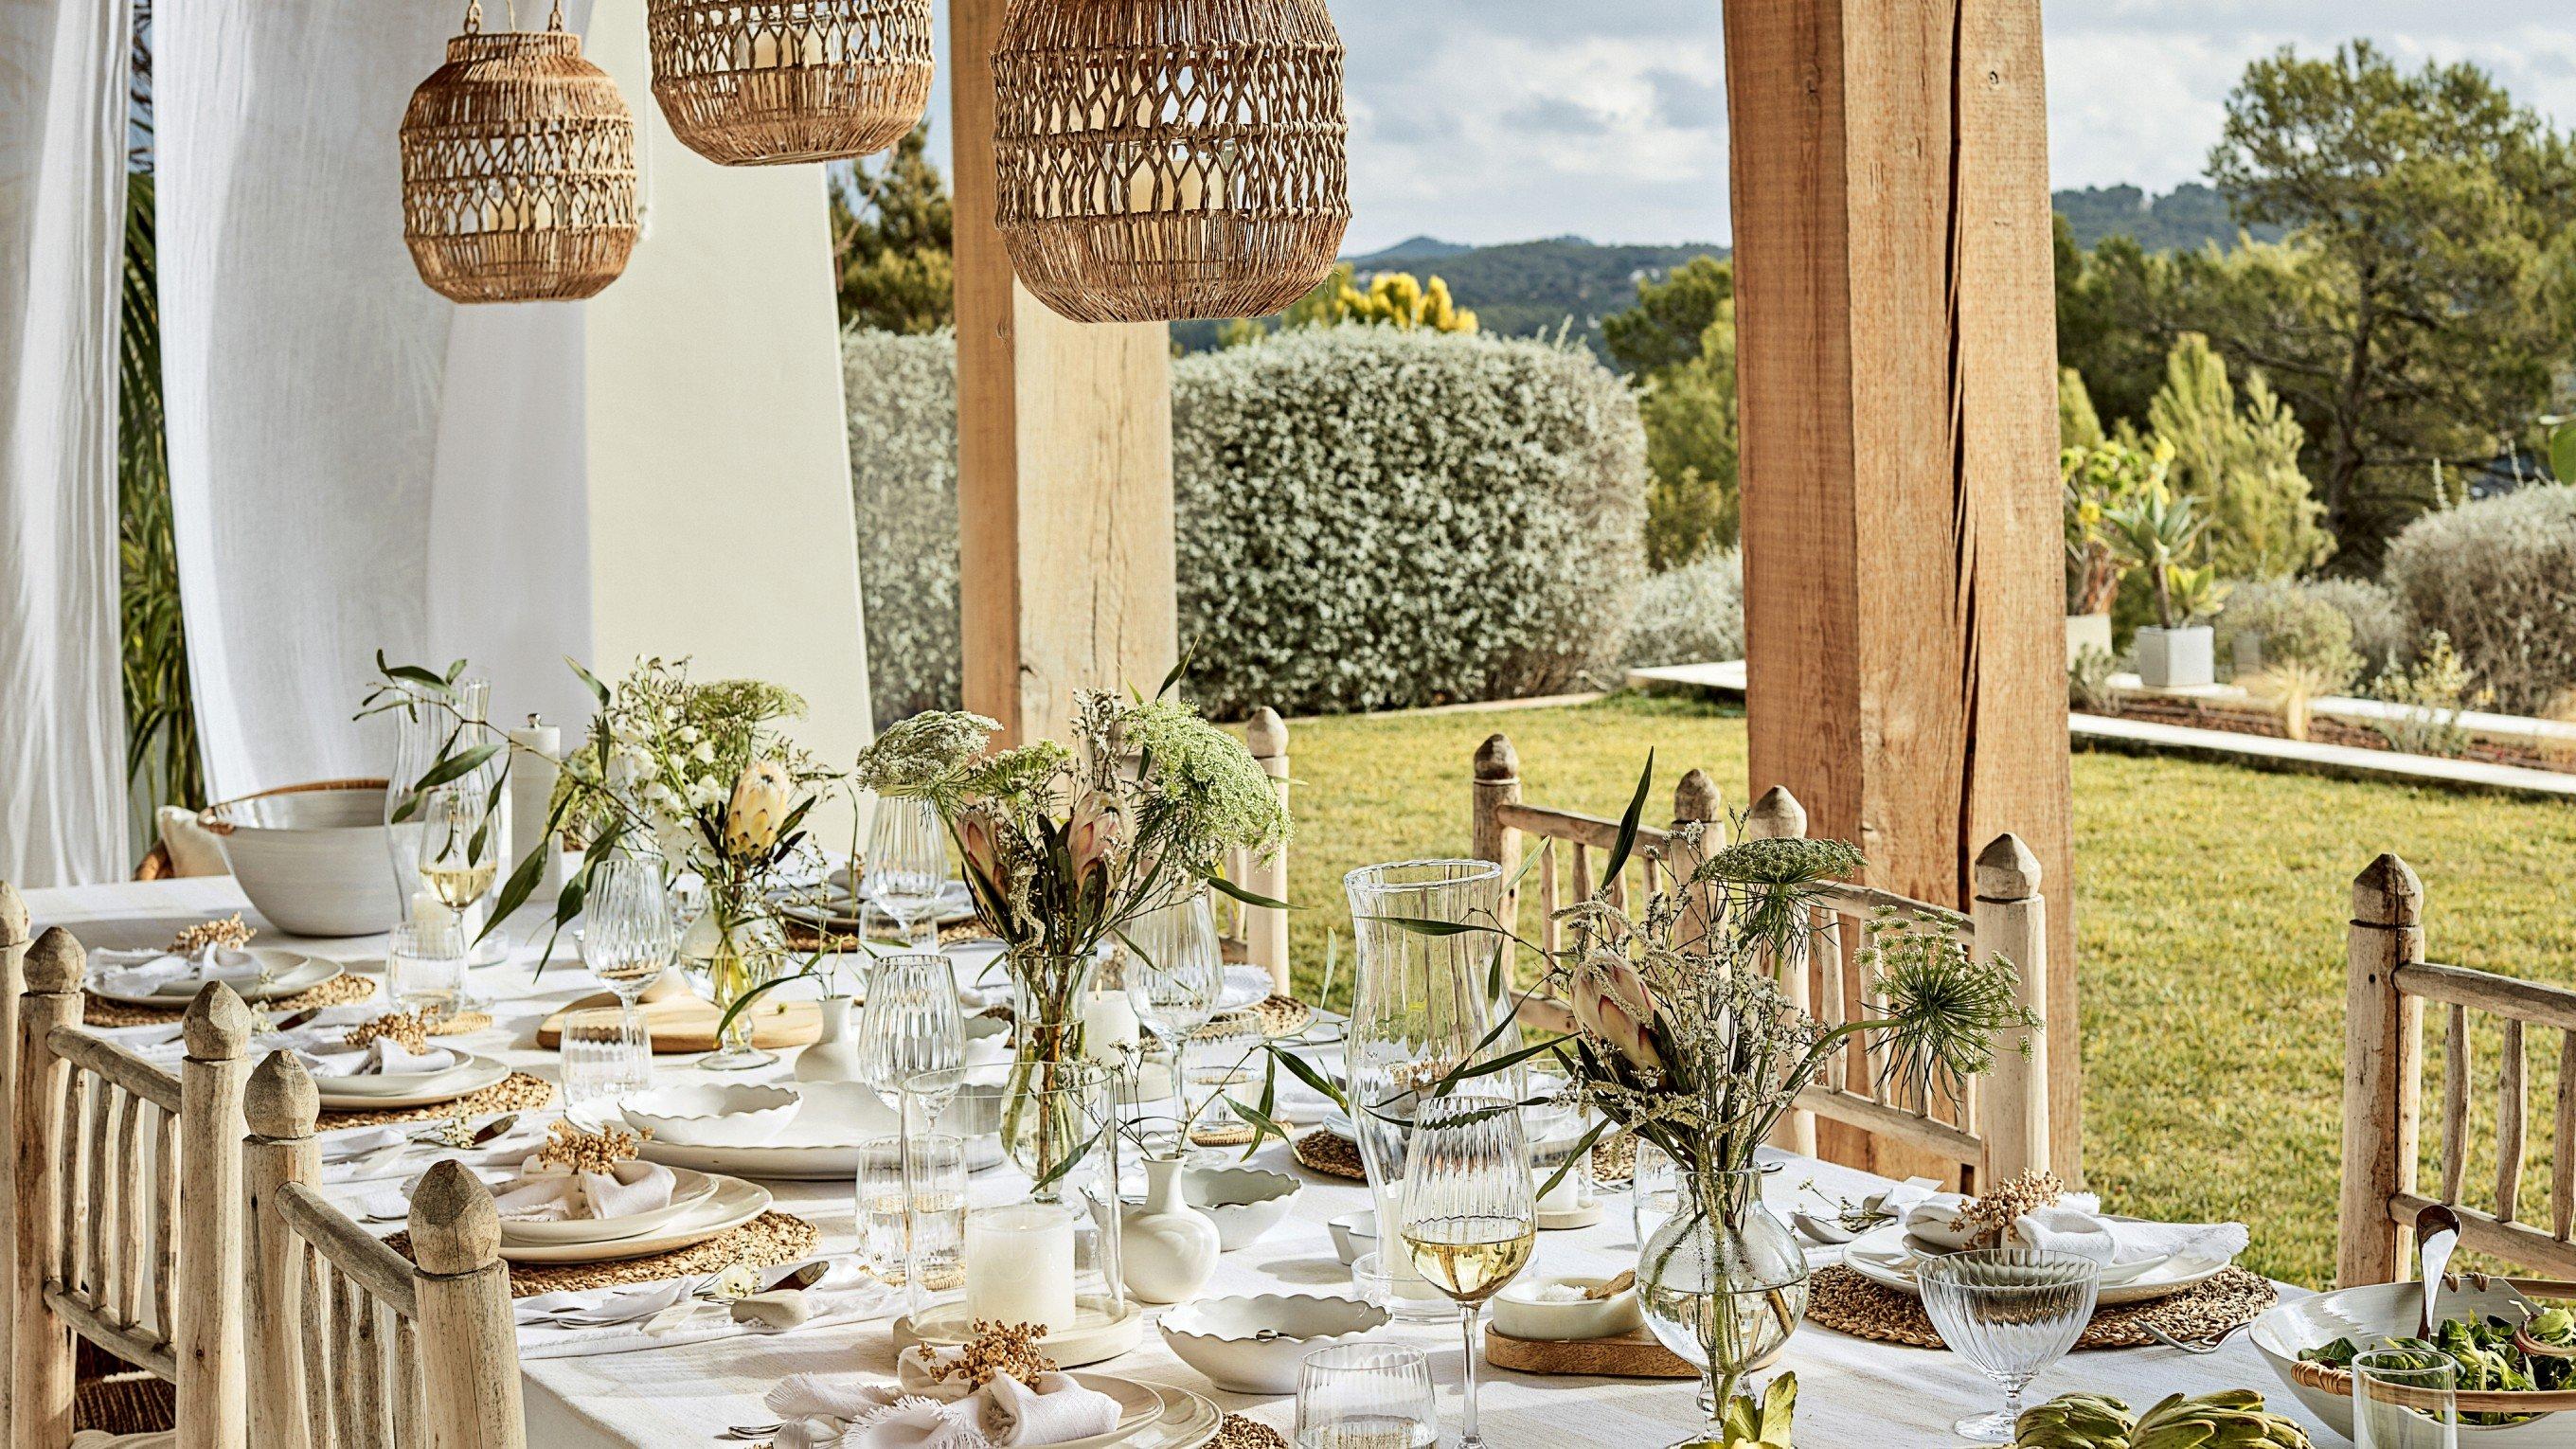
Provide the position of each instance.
(767, 82)
(518, 169)
(1167, 159)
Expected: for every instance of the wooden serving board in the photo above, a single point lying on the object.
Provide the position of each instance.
(1632, 1355)
(683, 1021)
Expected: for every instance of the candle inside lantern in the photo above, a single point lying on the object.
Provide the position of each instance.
(1567, 1195)
(1108, 1024)
(1019, 1265)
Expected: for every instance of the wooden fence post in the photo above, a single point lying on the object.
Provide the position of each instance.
(2011, 919)
(13, 980)
(1695, 802)
(280, 1105)
(2383, 1066)
(40, 1409)
(1498, 782)
(1265, 932)
(468, 1343)
(207, 1334)
(1779, 816)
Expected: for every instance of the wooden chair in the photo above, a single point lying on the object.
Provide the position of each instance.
(1258, 934)
(1999, 1132)
(128, 1226)
(2387, 984)
(358, 1348)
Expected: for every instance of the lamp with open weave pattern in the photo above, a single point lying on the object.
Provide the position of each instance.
(1168, 159)
(768, 82)
(518, 169)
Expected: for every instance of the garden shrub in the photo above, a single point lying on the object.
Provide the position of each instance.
(2295, 628)
(902, 400)
(2379, 632)
(1690, 615)
(2498, 576)
(1372, 518)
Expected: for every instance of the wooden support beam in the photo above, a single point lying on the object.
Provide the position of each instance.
(1896, 365)
(1064, 460)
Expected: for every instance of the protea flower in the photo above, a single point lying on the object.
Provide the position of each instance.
(1093, 838)
(761, 800)
(1612, 1002)
(983, 852)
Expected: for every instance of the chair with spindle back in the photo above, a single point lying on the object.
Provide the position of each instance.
(1998, 1133)
(1248, 933)
(128, 1227)
(358, 1347)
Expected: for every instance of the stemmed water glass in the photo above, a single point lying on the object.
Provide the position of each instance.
(1468, 1218)
(909, 1023)
(630, 935)
(1175, 976)
(2012, 1312)
(907, 866)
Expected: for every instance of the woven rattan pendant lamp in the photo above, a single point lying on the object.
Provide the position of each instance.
(1167, 159)
(518, 168)
(767, 82)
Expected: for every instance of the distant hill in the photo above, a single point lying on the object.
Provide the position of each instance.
(1411, 249)
(2185, 218)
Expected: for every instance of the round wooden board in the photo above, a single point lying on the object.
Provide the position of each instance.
(686, 1022)
(1632, 1355)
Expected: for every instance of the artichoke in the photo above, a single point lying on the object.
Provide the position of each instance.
(2076, 1421)
(2234, 1419)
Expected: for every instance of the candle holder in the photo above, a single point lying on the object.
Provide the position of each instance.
(1040, 1242)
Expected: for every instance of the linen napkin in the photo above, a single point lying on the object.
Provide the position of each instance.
(922, 1410)
(2075, 1225)
(164, 973)
(542, 1194)
(382, 1057)
(599, 1321)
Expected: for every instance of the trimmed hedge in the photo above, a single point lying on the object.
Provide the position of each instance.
(1693, 614)
(2499, 577)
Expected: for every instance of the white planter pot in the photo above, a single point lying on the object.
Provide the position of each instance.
(834, 1056)
(2181, 658)
(1166, 1249)
(2086, 631)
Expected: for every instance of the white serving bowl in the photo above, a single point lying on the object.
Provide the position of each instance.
(1519, 1316)
(735, 1115)
(851, 1112)
(1254, 1345)
(2378, 1311)
(1245, 1201)
(316, 860)
(1354, 1234)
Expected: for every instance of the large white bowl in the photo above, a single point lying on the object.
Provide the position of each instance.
(1517, 1316)
(1254, 1345)
(1245, 1201)
(2378, 1311)
(734, 1115)
(314, 859)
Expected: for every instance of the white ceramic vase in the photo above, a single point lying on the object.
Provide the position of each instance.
(834, 1056)
(1167, 1248)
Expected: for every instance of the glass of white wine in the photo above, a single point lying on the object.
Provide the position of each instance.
(462, 836)
(1366, 1396)
(1469, 1215)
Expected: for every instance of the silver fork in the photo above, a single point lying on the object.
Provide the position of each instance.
(751, 1431)
(2205, 1346)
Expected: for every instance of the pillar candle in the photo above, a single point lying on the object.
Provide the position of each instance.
(1108, 1024)
(1019, 1266)
(534, 749)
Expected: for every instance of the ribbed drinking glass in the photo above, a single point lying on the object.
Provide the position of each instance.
(2403, 1400)
(629, 935)
(1366, 1396)
(909, 1023)
(907, 866)
(2010, 1311)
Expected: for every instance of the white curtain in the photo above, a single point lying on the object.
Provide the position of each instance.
(62, 209)
(356, 463)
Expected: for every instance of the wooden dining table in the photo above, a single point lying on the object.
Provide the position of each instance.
(1852, 1393)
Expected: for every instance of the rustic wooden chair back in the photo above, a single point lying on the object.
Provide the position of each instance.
(357, 1347)
(1258, 935)
(1999, 1132)
(128, 1229)
(2388, 982)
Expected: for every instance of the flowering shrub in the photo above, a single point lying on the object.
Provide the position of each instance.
(902, 400)
(2499, 577)
(1693, 614)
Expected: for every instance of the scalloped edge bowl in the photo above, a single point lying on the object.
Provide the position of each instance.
(735, 1114)
(1222, 1337)
(1245, 1202)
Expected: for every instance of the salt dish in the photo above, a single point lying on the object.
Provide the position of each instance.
(1354, 1234)
(1245, 1201)
(1254, 1345)
(1529, 1309)
(733, 1115)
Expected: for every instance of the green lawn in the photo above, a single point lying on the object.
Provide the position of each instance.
(2211, 907)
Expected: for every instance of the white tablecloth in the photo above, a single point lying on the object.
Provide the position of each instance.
(1851, 1393)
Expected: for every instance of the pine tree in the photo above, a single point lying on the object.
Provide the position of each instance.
(893, 241)
(2265, 520)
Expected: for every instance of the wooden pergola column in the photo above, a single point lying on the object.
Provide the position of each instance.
(1064, 460)
(1897, 366)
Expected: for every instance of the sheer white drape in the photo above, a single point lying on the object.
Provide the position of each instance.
(62, 214)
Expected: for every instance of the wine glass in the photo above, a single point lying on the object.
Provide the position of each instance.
(448, 717)
(909, 1023)
(1468, 1219)
(2404, 1400)
(629, 934)
(464, 829)
(1174, 973)
(2010, 1311)
(1366, 1396)
(907, 866)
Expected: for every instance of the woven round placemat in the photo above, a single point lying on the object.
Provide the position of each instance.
(765, 1242)
(1221, 1134)
(463, 1023)
(1330, 1153)
(1615, 1162)
(809, 938)
(517, 1092)
(1238, 1432)
(345, 989)
(1277, 1016)
(1843, 1300)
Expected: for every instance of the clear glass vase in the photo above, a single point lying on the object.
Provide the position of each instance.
(1047, 1061)
(739, 959)
(1723, 1282)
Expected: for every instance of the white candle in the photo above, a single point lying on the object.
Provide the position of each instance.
(533, 751)
(1566, 1196)
(428, 910)
(1019, 1266)
(1108, 1025)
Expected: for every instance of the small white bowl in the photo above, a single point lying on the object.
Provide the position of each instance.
(1526, 1317)
(1354, 1234)
(1254, 1345)
(1245, 1201)
(736, 1115)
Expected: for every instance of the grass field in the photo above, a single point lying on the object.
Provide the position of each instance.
(2210, 914)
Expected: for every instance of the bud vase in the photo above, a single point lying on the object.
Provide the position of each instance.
(1723, 1283)
(730, 962)
(1046, 1060)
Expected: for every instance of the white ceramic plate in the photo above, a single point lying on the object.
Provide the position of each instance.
(733, 1203)
(447, 1086)
(1918, 1251)
(1882, 1257)
(289, 972)
(838, 908)
(1138, 1406)
(1189, 1420)
(404, 1084)
(2369, 1313)
(687, 1191)
(820, 1144)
